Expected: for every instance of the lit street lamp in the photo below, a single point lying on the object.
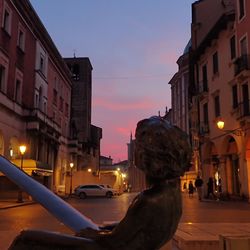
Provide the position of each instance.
(22, 150)
(71, 174)
(238, 131)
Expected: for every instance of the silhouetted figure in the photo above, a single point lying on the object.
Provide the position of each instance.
(210, 188)
(190, 189)
(198, 184)
(163, 153)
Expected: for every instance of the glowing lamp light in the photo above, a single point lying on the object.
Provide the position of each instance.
(220, 124)
(89, 170)
(22, 149)
(71, 165)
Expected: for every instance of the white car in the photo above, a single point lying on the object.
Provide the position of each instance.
(83, 191)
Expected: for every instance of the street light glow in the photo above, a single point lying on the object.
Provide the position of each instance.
(71, 164)
(22, 149)
(220, 124)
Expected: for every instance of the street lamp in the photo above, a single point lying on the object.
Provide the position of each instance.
(22, 149)
(238, 131)
(71, 174)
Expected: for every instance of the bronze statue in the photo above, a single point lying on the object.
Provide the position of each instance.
(163, 153)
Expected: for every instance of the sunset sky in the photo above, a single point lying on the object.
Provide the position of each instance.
(133, 46)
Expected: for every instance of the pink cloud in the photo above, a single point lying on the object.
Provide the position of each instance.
(120, 104)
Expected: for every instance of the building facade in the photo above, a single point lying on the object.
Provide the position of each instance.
(219, 93)
(36, 98)
(178, 115)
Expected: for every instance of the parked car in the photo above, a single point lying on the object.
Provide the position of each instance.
(83, 191)
(115, 191)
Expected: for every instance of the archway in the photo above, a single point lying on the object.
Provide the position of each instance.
(210, 156)
(230, 151)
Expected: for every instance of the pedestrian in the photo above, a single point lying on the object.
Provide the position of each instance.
(190, 189)
(210, 188)
(198, 184)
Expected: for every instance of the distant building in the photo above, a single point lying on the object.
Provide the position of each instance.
(178, 115)
(85, 137)
(105, 162)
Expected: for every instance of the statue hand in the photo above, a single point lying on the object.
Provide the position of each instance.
(88, 233)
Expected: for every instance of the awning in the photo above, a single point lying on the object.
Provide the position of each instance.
(34, 167)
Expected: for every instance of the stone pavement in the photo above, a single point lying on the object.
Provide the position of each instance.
(206, 236)
(189, 236)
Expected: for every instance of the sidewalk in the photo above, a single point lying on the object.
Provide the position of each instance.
(10, 203)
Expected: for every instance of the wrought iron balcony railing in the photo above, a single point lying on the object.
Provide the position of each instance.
(240, 64)
(244, 108)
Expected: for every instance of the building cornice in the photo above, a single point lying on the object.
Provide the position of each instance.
(220, 25)
(28, 13)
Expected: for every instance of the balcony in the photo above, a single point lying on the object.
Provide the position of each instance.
(241, 67)
(39, 121)
(244, 109)
(75, 147)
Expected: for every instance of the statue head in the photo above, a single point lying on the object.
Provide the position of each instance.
(162, 150)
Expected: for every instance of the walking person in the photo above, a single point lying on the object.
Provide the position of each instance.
(210, 188)
(198, 184)
(190, 189)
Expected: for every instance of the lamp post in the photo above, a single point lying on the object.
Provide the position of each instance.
(71, 174)
(22, 149)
